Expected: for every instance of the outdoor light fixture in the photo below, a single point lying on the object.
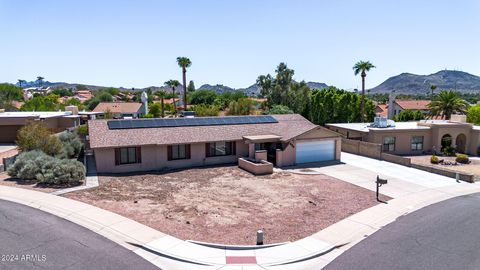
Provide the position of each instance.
(380, 182)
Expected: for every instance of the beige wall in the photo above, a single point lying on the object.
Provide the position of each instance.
(155, 158)
(403, 139)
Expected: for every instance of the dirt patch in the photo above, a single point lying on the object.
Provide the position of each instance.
(472, 167)
(6, 180)
(228, 205)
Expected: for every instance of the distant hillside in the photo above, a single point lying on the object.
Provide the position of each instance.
(407, 83)
(317, 85)
(219, 88)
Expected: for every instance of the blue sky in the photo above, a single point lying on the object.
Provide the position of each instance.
(135, 43)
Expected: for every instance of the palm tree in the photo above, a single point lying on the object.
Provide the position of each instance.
(432, 88)
(362, 67)
(40, 80)
(173, 84)
(184, 63)
(447, 103)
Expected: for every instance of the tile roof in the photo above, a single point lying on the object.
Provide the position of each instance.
(381, 110)
(118, 107)
(288, 126)
(413, 104)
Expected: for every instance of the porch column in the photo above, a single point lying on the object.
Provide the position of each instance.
(251, 150)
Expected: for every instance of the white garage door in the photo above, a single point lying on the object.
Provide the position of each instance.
(315, 151)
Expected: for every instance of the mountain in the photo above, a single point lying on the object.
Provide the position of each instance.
(407, 83)
(219, 88)
(317, 85)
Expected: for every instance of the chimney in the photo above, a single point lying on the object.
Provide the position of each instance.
(72, 108)
(145, 102)
(391, 101)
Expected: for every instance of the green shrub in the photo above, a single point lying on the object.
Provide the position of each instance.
(71, 144)
(279, 109)
(205, 110)
(449, 151)
(36, 136)
(434, 159)
(82, 130)
(461, 158)
(40, 167)
(29, 164)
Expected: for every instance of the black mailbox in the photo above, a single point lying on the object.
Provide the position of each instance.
(380, 182)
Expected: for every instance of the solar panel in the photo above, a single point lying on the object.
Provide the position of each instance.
(182, 122)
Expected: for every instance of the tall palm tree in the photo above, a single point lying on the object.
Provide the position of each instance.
(184, 63)
(173, 84)
(447, 103)
(362, 67)
(40, 80)
(432, 88)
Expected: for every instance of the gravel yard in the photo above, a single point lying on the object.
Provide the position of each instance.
(473, 167)
(228, 205)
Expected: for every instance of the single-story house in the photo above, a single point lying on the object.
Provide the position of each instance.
(121, 109)
(157, 144)
(411, 138)
(11, 122)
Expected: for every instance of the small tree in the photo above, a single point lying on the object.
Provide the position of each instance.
(243, 106)
(279, 109)
(155, 110)
(36, 136)
(473, 115)
(191, 87)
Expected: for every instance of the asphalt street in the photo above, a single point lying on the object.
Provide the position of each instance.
(33, 239)
(442, 236)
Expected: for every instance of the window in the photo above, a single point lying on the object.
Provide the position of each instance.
(417, 143)
(127, 155)
(388, 144)
(179, 151)
(220, 149)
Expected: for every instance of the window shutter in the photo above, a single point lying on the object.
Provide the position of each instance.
(234, 147)
(117, 156)
(187, 151)
(139, 154)
(207, 149)
(169, 152)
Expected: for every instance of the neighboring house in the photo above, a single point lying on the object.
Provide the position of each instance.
(410, 138)
(83, 95)
(120, 109)
(412, 105)
(11, 122)
(158, 144)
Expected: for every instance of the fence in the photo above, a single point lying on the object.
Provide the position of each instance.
(374, 150)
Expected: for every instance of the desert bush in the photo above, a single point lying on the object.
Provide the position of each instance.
(205, 110)
(71, 145)
(449, 151)
(434, 159)
(28, 165)
(461, 158)
(40, 167)
(36, 136)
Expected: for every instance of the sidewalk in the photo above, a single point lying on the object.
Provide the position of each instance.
(312, 252)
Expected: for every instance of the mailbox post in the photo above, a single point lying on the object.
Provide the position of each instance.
(380, 182)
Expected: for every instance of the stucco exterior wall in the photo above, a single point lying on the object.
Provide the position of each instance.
(403, 140)
(155, 158)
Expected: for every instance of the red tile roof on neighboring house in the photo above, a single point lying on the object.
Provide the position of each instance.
(289, 126)
(413, 104)
(118, 107)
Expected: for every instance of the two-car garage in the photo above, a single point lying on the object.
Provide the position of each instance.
(315, 151)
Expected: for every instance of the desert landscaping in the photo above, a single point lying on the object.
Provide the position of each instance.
(228, 205)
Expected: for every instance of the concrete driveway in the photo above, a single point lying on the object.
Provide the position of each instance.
(362, 171)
